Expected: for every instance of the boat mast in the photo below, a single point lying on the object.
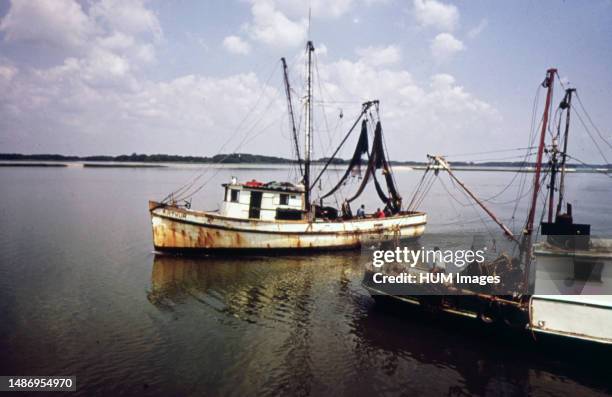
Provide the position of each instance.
(525, 249)
(291, 116)
(548, 83)
(308, 151)
(553, 179)
(566, 103)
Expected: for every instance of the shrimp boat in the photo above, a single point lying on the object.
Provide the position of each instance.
(268, 216)
(564, 287)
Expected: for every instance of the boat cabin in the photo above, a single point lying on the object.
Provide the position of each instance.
(265, 201)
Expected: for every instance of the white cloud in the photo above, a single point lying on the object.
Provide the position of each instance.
(321, 49)
(81, 98)
(284, 23)
(442, 81)
(59, 23)
(318, 8)
(477, 30)
(444, 46)
(121, 30)
(130, 16)
(380, 55)
(68, 108)
(440, 113)
(7, 72)
(432, 13)
(127, 46)
(236, 45)
(274, 28)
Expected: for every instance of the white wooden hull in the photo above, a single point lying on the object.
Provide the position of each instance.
(179, 229)
(587, 317)
(574, 308)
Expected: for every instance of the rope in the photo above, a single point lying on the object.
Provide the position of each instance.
(592, 123)
(590, 166)
(489, 152)
(592, 138)
(184, 188)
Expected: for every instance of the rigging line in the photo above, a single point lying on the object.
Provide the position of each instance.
(591, 136)
(457, 212)
(417, 187)
(477, 210)
(590, 166)
(489, 152)
(419, 191)
(232, 135)
(500, 158)
(363, 111)
(252, 109)
(220, 168)
(463, 222)
(530, 142)
(188, 194)
(384, 141)
(340, 102)
(509, 201)
(543, 199)
(329, 135)
(426, 190)
(542, 194)
(450, 194)
(519, 171)
(591, 120)
(522, 193)
(553, 122)
(240, 144)
(316, 65)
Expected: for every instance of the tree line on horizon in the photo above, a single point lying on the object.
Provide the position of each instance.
(237, 158)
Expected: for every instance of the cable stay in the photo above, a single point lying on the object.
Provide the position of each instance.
(444, 165)
(291, 116)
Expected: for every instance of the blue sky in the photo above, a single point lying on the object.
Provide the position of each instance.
(111, 77)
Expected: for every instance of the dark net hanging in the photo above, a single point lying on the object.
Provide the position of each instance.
(360, 150)
(376, 160)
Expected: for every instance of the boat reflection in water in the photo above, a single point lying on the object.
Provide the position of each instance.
(252, 287)
(302, 325)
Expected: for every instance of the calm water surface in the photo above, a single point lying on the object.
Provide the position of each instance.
(82, 293)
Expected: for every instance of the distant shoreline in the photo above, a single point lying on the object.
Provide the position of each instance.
(156, 161)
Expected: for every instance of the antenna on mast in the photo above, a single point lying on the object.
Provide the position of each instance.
(309, 15)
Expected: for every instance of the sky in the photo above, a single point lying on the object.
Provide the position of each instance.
(203, 77)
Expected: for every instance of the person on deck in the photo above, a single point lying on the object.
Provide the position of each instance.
(380, 213)
(361, 211)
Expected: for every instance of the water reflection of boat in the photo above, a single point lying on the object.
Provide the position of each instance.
(286, 216)
(432, 344)
(249, 287)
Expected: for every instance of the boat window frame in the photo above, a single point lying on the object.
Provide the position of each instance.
(283, 198)
(235, 199)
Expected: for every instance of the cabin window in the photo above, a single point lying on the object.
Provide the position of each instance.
(288, 214)
(284, 199)
(234, 195)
